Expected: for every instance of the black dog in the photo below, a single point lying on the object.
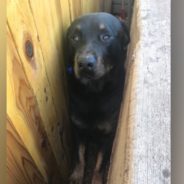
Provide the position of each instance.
(96, 48)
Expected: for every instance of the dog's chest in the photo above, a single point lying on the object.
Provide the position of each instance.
(90, 126)
(93, 108)
(98, 113)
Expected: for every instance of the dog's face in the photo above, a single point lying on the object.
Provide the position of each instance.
(95, 45)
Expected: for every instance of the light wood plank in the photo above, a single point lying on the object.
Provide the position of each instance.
(43, 70)
(21, 167)
(36, 96)
(23, 110)
(75, 8)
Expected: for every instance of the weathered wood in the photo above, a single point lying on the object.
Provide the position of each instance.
(128, 7)
(141, 152)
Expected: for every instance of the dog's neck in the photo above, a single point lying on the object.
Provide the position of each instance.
(95, 86)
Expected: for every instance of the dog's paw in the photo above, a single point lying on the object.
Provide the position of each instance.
(97, 178)
(76, 177)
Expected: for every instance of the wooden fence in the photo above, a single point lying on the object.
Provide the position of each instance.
(38, 145)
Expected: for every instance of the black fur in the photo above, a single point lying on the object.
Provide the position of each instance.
(95, 95)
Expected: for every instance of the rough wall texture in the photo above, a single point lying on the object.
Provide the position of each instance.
(141, 153)
(151, 154)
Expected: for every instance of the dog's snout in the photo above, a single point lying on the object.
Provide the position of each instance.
(87, 62)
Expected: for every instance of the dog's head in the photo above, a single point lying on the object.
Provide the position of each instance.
(95, 43)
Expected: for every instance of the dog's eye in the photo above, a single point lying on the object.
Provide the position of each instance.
(75, 38)
(105, 37)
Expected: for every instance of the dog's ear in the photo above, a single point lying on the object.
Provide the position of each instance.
(125, 34)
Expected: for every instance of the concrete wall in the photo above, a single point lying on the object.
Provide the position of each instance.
(141, 153)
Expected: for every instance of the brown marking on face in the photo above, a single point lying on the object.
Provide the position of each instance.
(78, 122)
(101, 26)
(105, 127)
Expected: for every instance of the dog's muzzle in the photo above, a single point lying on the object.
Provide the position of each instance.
(85, 65)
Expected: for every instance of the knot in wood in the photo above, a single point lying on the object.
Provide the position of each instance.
(29, 49)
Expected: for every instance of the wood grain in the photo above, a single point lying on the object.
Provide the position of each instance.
(21, 167)
(43, 70)
(36, 95)
(22, 108)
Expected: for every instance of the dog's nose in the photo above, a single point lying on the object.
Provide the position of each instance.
(87, 62)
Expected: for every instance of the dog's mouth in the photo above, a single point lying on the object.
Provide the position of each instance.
(86, 74)
(85, 77)
(85, 65)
